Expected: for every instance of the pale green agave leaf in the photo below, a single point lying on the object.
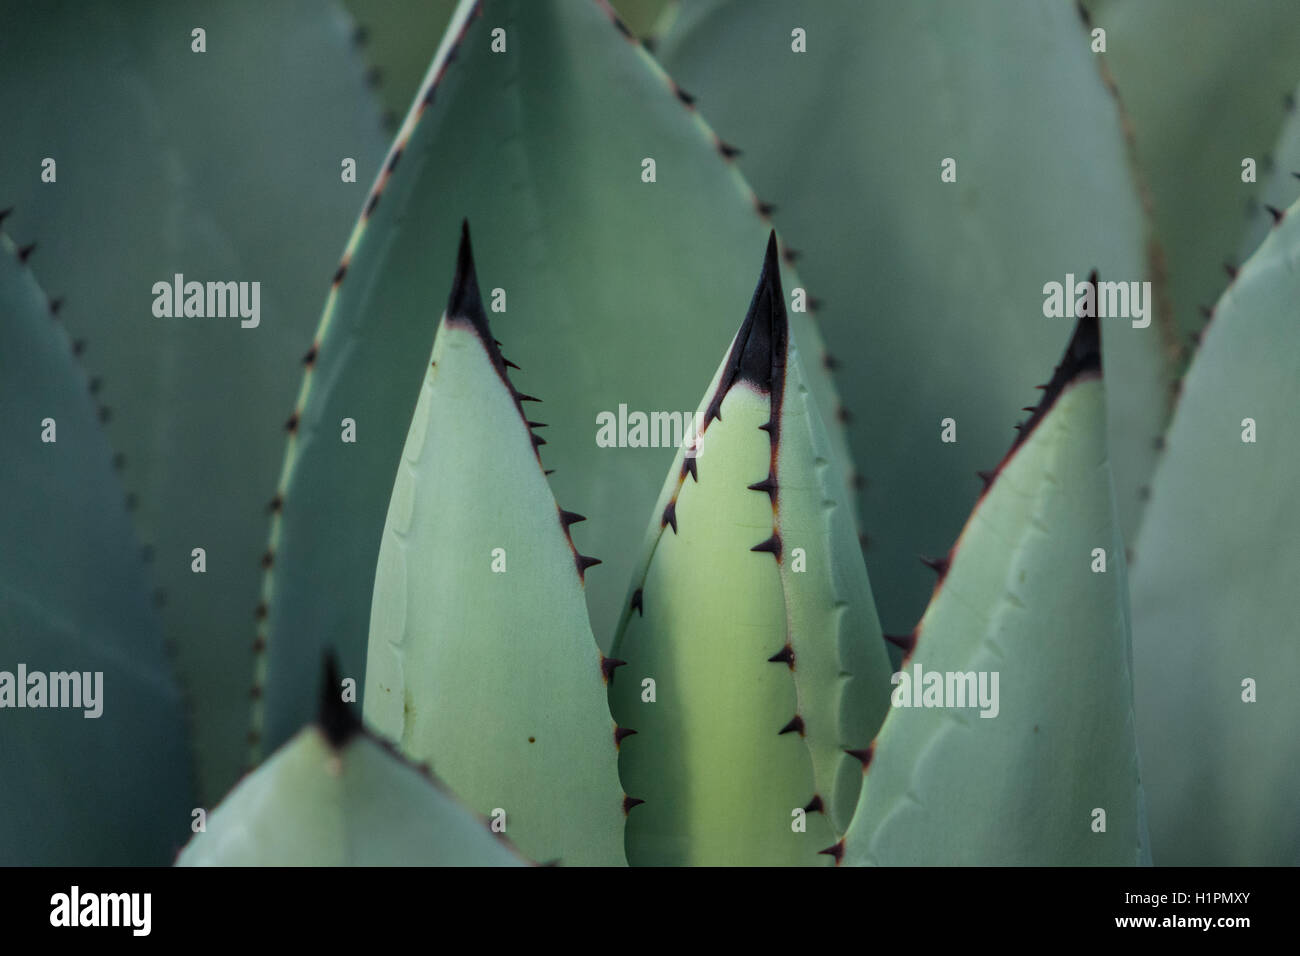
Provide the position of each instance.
(223, 166)
(1280, 182)
(107, 782)
(754, 658)
(481, 658)
(1041, 767)
(1215, 602)
(954, 271)
(336, 796)
(602, 280)
(1205, 86)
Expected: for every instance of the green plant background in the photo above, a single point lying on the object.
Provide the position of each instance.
(926, 305)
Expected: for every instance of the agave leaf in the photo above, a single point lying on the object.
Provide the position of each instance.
(954, 271)
(1280, 185)
(663, 22)
(75, 790)
(481, 657)
(1214, 596)
(336, 796)
(1196, 125)
(1020, 779)
(603, 279)
(220, 166)
(644, 18)
(398, 38)
(753, 617)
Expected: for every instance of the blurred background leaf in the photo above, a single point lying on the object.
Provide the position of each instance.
(222, 166)
(1205, 86)
(1214, 595)
(114, 789)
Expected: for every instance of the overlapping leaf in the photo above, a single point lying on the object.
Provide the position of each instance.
(934, 290)
(1279, 183)
(221, 166)
(614, 294)
(1206, 87)
(481, 659)
(336, 796)
(104, 778)
(754, 660)
(1011, 739)
(1214, 597)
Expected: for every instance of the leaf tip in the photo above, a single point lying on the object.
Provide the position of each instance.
(758, 355)
(1082, 358)
(465, 301)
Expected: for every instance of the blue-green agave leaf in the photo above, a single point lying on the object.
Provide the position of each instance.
(221, 166)
(399, 37)
(1206, 87)
(1279, 185)
(107, 782)
(1214, 598)
(1010, 739)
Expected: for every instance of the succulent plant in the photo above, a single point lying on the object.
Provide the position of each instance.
(468, 146)
(752, 674)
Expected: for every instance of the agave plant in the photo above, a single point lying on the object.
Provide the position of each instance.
(751, 677)
(746, 678)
